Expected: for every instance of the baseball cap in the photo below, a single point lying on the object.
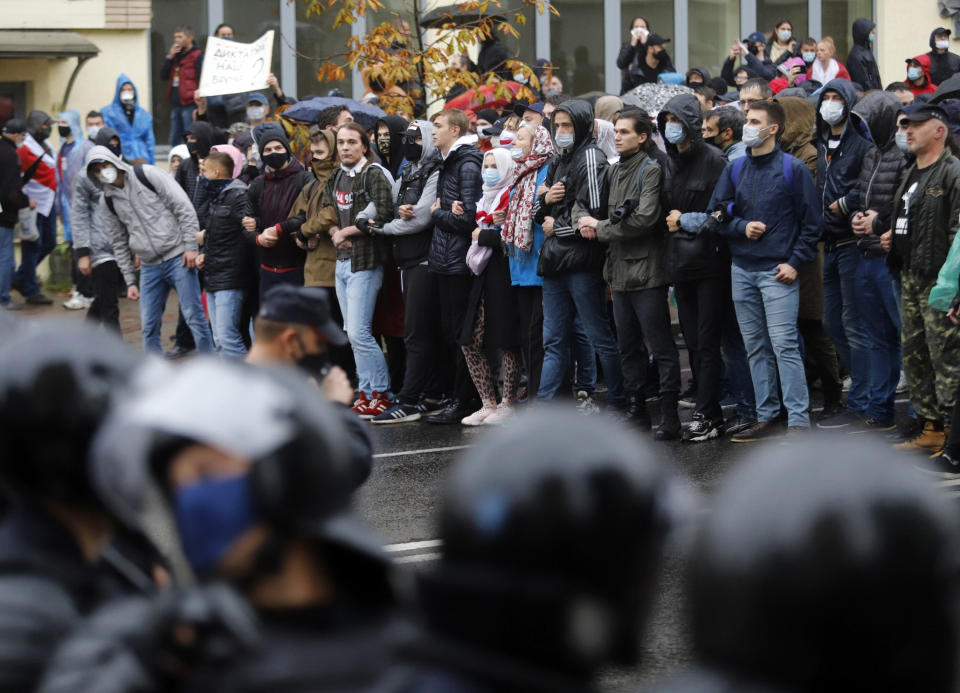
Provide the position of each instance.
(258, 97)
(656, 40)
(922, 114)
(756, 37)
(15, 126)
(521, 107)
(302, 305)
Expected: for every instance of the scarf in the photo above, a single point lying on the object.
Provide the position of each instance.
(495, 198)
(823, 76)
(518, 228)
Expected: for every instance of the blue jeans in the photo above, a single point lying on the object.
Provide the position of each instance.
(357, 296)
(585, 375)
(880, 311)
(181, 118)
(767, 313)
(736, 368)
(269, 279)
(225, 307)
(582, 294)
(155, 284)
(6, 263)
(844, 323)
(32, 254)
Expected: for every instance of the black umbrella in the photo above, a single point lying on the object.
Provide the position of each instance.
(452, 14)
(949, 89)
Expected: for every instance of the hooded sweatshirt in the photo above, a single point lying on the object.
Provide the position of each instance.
(156, 226)
(43, 185)
(136, 136)
(64, 173)
(837, 173)
(942, 65)
(393, 159)
(797, 139)
(928, 86)
(861, 64)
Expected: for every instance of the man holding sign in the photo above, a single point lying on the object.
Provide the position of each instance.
(231, 67)
(182, 68)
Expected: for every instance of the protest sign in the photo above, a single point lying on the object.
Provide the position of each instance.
(230, 67)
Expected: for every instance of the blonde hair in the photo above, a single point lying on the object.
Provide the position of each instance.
(826, 40)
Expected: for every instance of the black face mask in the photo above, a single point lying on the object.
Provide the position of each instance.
(276, 161)
(193, 147)
(251, 171)
(64, 130)
(215, 185)
(44, 133)
(753, 48)
(315, 365)
(412, 151)
(115, 149)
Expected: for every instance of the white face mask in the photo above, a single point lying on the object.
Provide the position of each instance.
(901, 139)
(256, 112)
(126, 96)
(751, 136)
(92, 131)
(943, 44)
(108, 175)
(517, 153)
(519, 78)
(784, 35)
(831, 112)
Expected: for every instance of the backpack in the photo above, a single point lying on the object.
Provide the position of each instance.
(142, 177)
(737, 169)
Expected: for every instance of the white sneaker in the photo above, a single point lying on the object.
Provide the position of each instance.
(479, 417)
(77, 302)
(503, 413)
(586, 404)
(902, 383)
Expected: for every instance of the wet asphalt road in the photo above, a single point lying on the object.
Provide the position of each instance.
(402, 497)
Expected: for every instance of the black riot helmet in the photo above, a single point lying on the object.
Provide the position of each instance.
(552, 536)
(301, 476)
(830, 566)
(57, 382)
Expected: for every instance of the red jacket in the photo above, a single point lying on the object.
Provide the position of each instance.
(929, 87)
(187, 66)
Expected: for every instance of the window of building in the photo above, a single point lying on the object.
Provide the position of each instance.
(713, 27)
(838, 18)
(251, 19)
(318, 42)
(576, 45)
(659, 16)
(193, 13)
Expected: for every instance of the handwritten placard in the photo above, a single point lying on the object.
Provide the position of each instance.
(230, 67)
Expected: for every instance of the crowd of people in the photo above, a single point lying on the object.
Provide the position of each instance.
(801, 220)
(795, 214)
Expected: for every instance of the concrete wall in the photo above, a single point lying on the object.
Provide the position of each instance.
(903, 31)
(53, 14)
(46, 80)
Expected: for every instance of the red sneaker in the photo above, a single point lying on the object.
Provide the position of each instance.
(377, 405)
(360, 406)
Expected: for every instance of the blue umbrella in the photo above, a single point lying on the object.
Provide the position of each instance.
(308, 110)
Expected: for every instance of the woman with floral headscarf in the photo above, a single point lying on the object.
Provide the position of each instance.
(492, 321)
(523, 238)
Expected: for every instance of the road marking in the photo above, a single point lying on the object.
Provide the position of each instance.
(413, 545)
(424, 451)
(418, 558)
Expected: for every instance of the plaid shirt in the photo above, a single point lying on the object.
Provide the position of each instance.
(372, 185)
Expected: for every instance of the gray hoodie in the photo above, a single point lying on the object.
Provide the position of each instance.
(422, 218)
(156, 226)
(90, 239)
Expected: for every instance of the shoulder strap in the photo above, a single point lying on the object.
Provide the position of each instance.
(787, 172)
(109, 201)
(31, 171)
(643, 166)
(142, 177)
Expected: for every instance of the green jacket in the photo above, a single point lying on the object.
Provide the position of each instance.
(635, 245)
(373, 187)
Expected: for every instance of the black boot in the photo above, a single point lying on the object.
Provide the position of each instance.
(669, 428)
(638, 414)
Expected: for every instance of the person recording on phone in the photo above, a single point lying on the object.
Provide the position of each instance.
(752, 52)
(643, 57)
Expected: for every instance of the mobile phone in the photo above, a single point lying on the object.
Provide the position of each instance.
(784, 69)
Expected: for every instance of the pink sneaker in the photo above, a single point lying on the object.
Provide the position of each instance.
(502, 414)
(479, 417)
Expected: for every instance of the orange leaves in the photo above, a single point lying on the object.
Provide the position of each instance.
(330, 72)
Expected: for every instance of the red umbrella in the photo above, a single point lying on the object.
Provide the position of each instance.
(483, 97)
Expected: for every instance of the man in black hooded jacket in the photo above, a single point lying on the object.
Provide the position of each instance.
(571, 263)
(943, 63)
(861, 64)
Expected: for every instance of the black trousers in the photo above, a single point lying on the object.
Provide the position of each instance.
(703, 306)
(107, 282)
(427, 373)
(454, 298)
(530, 306)
(83, 282)
(640, 314)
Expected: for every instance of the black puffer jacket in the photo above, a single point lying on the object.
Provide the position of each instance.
(459, 180)
(861, 64)
(942, 65)
(584, 173)
(934, 209)
(228, 250)
(883, 164)
(691, 177)
(188, 175)
(837, 176)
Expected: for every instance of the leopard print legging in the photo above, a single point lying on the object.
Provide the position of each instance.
(480, 369)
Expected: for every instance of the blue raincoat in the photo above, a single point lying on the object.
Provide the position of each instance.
(64, 179)
(136, 138)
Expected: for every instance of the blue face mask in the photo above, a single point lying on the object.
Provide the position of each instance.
(808, 56)
(913, 73)
(784, 35)
(491, 177)
(673, 132)
(210, 515)
(564, 140)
